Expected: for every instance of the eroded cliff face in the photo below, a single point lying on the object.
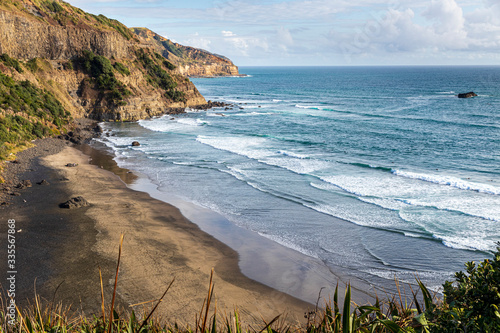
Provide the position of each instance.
(48, 39)
(190, 61)
(24, 37)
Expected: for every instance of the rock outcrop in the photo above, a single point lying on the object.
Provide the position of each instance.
(137, 76)
(467, 95)
(190, 61)
(25, 37)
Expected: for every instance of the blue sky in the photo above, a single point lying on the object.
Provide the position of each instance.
(322, 32)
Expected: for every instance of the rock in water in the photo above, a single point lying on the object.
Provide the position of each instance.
(136, 143)
(75, 202)
(467, 95)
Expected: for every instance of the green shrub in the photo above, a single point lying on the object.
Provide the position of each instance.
(472, 301)
(32, 65)
(121, 68)
(53, 6)
(101, 71)
(68, 65)
(176, 95)
(39, 105)
(11, 62)
(118, 26)
(158, 77)
(168, 64)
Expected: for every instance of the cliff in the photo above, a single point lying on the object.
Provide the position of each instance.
(190, 61)
(97, 67)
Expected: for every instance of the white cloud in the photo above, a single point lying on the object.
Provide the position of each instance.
(199, 42)
(330, 29)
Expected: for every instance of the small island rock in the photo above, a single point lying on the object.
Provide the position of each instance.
(136, 144)
(467, 95)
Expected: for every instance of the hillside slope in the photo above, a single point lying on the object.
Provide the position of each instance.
(190, 61)
(59, 63)
(96, 66)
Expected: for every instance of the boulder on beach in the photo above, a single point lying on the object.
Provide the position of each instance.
(75, 202)
(24, 184)
(136, 144)
(467, 95)
(43, 182)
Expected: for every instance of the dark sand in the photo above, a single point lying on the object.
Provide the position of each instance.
(60, 247)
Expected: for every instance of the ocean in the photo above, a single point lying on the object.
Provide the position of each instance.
(377, 172)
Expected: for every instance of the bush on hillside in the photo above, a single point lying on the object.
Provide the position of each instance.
(472, 301)
(102, 72)
(11, 62)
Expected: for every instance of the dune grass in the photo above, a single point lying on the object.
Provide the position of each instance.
(395, 313)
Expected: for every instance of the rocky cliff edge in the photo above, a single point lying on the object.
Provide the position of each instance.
(95, 66)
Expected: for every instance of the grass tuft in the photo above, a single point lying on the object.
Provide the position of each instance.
(397, 313)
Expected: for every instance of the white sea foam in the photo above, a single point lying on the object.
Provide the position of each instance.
(311, 107)
(253, 113)
(467, 243)
(409, 277)
(359, 216)
(484, 208)
(245, 146)
(385, 203)
(293, 154)
(192, 121)
(167, 124)
(289, 243)
(297, 165)
(450, 181)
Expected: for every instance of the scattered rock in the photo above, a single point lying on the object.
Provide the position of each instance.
(15, 194)
(211, 104)
(5, 203)
(15, 162)
(135, 143)
(72, 165)
(24, 184)
(75, 202)
(43, 182)
(467, 95)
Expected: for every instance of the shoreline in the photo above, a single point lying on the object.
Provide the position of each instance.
(159, 244)
(260, 258)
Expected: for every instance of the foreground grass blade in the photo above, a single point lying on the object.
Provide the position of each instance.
(110, 327)
(153, 310)
(346, 316)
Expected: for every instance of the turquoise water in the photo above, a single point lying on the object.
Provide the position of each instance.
(380, 172)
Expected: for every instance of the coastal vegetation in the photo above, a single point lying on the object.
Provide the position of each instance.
(27, 113)
(102, 76)
(469, 304)
(158, 77)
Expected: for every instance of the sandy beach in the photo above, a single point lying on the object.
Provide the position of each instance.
(63, 249)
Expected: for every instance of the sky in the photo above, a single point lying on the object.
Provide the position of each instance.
(322, 32)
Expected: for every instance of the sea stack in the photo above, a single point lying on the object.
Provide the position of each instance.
(467, 95)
